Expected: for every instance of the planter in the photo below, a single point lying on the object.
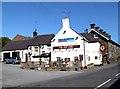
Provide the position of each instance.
(49, 69)
(39, 68)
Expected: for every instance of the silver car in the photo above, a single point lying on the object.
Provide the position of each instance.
(13, 60)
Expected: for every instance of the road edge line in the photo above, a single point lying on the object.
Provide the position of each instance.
(117, 74)
(103, 84)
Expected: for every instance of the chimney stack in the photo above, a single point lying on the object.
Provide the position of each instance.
(35, 33)
(86, 30)
(97, 28)
(66, 23)
(92, 26)
(104, 32)
(101, 30)
(109, 36)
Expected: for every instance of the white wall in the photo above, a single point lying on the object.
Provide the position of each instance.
(91, 49)
(41, 48)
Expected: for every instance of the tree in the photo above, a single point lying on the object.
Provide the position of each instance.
(4, 41)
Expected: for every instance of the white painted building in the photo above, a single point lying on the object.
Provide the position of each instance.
(29, 50)
(68, 45)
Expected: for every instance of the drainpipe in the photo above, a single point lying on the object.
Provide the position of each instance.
(85, 67)
(39, 49)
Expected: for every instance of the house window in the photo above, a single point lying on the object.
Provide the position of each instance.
(43, 52)
(81, 57)
(35, 49)
(76, 58)
(96, 57)
(58, 59)
(95, 35)
(64, 32)
(88, 58)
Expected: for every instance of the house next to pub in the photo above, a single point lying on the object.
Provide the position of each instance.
(29, 49)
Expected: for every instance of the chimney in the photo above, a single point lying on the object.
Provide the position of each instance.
(35, 33)
(66, 23)
(97, 28)
(109, 36)
(101, 30)
(86, 30)
(104, 32)
(92, 26)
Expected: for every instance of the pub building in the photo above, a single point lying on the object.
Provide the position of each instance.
(70, 46)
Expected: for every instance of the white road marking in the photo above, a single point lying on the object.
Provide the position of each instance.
(118, 74)
(102, 84)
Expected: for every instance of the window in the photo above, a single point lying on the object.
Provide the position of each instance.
(81, 57)
(58, 59)
(35, 49)
(67, 60)
(88, 58)
(95, 35)
(96, 57)
(43, 52)
(76, 58)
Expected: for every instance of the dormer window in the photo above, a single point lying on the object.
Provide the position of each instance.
(95, 35)
(64, 32)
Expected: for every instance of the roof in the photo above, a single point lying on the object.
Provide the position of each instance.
(42, 39)
(23, 44)
(111, 41)
(99, 33)
(17, 45)
(20, 37)
(88, 37)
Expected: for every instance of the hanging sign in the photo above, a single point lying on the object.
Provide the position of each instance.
(102, 48)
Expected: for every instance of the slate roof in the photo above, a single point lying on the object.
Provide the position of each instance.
(42, 39)
(23, 44)
(17, 45)
(88, 37)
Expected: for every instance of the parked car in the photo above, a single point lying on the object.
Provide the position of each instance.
(13, 60)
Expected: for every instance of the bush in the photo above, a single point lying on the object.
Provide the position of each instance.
(90, 64)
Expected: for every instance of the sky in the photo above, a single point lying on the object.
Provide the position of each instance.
(24, 17)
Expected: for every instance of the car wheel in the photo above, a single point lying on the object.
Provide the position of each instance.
(13, 62)
(5, 62)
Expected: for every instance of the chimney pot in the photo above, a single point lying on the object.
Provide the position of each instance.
(35, 33)
(86, 30)
(101, 30)
(104, 32)
(92, 26)
(109, 36)
(96, 28)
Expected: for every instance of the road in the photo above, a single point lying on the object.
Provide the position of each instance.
(95, 78)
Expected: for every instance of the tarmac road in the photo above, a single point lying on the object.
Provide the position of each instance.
(96, 77)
